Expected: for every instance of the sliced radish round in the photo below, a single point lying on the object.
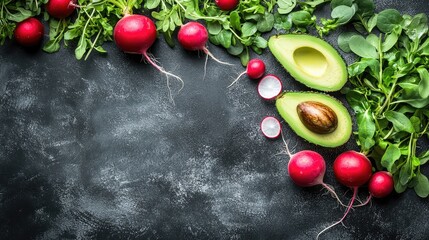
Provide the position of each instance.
(270, 127)
(269, 87)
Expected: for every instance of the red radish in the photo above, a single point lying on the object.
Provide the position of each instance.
(193, 36)
(352, 169)
(381, 184)
(269, 87)
(255, 69)
(270, 127)
(227, 5)
(29, 32)
(307, 168)
(135, 34)
(60, 8)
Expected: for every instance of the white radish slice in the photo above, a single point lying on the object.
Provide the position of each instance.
(269, 87)
(270, 127)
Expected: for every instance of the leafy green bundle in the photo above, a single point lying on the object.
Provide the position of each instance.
(390, 94)
(92, 26)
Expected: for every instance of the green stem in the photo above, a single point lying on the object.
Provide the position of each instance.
(92, 45)
(63, 25)
(120, 5)
(388, 98)
(380, 58)
(388, 134)
(411, 146)
(198, 16)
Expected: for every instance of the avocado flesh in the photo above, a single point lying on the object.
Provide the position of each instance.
(286, 106)
(310, 60)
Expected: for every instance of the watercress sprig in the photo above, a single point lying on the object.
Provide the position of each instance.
(390, 95)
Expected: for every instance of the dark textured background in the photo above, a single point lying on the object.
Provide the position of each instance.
(95, 150)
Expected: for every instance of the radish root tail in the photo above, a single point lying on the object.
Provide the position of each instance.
(331, 190)
(235, 80)
(206, 51)
(205, 67)
(355, 190)
(368, 200)
(152, 61)
(286, 145)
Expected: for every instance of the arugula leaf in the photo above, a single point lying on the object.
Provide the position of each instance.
(366, 130)
(400, 121)
(390, 156)
(285, 6)
(266, 23)
(422, 187)
(343, 14)
(343, 41)
(361, 47)
(424, 82)
(388, 19)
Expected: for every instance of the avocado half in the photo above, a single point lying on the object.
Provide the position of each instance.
(310, 60)
(286, 105)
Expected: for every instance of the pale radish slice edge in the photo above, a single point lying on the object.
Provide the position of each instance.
(270, 127)
(269, 87)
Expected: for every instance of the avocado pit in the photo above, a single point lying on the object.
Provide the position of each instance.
(317, 117)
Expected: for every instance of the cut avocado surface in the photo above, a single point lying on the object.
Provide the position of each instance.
(310, 60)
(287, 104)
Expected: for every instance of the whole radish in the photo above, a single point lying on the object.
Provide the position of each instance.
(307, 168)
(227, 5)
(60, 8)
(255, 69)
(135, 34)
(29, 32)
(381, 184)
(193, 36)
(352, 169)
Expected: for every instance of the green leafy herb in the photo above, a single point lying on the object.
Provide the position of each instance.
(390, 94)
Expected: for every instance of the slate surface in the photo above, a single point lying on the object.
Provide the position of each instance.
(95, 150)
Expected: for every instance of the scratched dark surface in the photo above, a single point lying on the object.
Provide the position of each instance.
(96, 150)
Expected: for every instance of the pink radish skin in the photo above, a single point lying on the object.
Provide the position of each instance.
(270, 127)
(255, 69)
(381, 184)
(60, 8)
(307, 168)
(193, 36)
(269, 87)
(227, 5)
(352, 169)
(136, 34)
(29, 32)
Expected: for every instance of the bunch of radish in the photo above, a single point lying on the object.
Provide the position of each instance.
(352, 169)
(29, 32)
